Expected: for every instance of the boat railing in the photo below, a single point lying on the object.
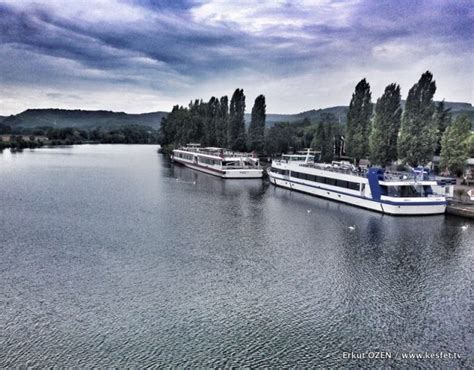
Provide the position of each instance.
(407, 176)
(400, 176)
(217, 153)
(339, 169)
(237, 155)
(241, 167)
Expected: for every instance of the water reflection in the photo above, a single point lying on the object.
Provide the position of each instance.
(114, 257)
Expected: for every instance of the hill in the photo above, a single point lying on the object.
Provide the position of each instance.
(340, 113)
(84, 119)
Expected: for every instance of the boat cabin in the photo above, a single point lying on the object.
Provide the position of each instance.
(406, 190)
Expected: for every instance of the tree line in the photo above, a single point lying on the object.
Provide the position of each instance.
(216, 123)
(382, 132)
(387, 133)
(130, 134)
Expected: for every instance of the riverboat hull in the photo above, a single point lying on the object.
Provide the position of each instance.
(429, 206)
(222, 173)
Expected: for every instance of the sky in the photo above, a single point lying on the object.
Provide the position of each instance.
(148, 55)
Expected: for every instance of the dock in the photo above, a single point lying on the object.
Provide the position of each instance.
(462, 203)
(460, 209)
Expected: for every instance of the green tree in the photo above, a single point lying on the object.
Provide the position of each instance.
(256, 133)
(279, 138)
(323, 141)
(211, 115)
(384, 135)
(442, 118)
(455, 146)
(417, 140)
(358, 122)
(319, 138)
(222, 121)
(195, 127)
(236, 132)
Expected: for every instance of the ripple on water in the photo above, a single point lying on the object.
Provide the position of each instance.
(113, 258)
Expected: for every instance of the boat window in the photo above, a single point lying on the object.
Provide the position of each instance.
(427, 190)
(341, 183)
(354, 186)
(323, 180)
(407, 191)
(410, 191)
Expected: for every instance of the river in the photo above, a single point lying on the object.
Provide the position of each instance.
(113, 257)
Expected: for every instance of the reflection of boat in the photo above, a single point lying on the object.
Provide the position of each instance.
(397, 193)
(219, 162)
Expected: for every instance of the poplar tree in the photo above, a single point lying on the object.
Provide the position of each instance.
(358, 122)
(194, 129)
(222, 121)
(455, 146)
(442, 117)
(417, 140)
(256, 140)
(236, 134)
(212, 112)
(323, 141)
(383, 139)
(173, 130)
(318, 139)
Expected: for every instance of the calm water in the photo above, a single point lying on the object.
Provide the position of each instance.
(110, 256)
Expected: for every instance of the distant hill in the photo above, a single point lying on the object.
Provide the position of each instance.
(313, 115)
(81, 119)
(90, 119)
(340, 112)
(458, 109)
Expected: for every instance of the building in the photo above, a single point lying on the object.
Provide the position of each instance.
(8, 138)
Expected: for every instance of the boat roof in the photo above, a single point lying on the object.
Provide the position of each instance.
(297, 155)
(213, 148)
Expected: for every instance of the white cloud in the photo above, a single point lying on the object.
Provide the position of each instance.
(260, 16)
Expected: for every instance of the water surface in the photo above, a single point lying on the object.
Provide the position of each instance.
(110, 256)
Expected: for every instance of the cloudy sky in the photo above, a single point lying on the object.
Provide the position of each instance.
(147, 55)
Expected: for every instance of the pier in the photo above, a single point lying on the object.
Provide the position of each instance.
(462, 204)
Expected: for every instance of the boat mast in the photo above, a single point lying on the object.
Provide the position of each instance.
(306, 161)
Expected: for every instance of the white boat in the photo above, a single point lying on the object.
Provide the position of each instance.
(395, 193)
(219, 162)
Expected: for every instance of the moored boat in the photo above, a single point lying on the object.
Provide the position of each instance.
(219, 162)
(396, 193)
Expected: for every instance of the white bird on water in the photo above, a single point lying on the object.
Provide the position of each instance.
(352, 228)
(464, 227)
(308, 210)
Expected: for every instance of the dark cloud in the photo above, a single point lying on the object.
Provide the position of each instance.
(166, 47)
(63, 96)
